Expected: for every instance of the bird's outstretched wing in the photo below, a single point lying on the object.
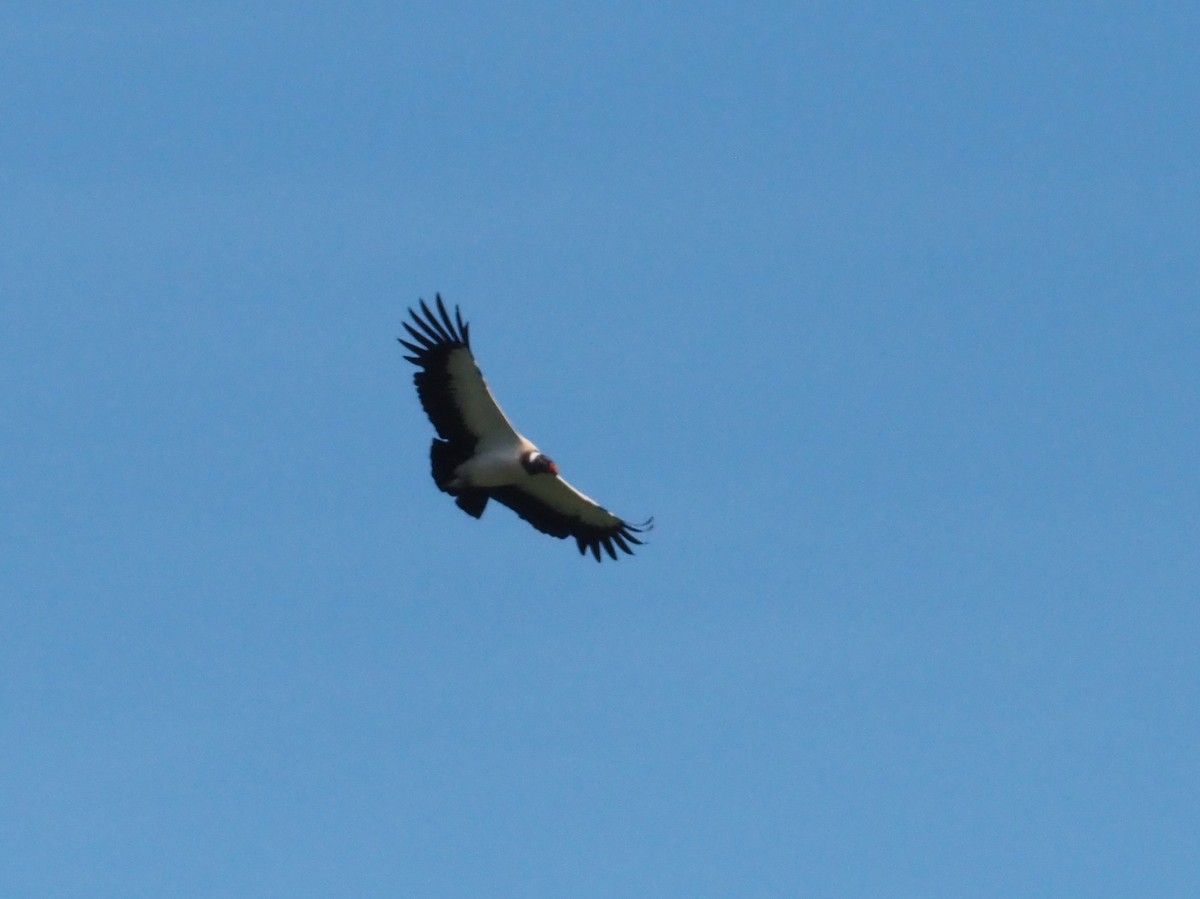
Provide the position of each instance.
(556, 508)
(451, 388)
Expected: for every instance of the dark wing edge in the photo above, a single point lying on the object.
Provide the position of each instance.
(551, 521)
(434, 338)
(436, 332)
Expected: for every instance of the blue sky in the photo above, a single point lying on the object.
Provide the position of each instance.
(888, 313)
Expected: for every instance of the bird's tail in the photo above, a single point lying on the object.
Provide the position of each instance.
(445, 457)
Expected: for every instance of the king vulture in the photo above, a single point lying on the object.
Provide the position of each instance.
(478, 455)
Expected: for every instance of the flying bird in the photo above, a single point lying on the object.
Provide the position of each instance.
(478, 455)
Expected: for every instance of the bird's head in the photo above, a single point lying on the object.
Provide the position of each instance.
(535, 463)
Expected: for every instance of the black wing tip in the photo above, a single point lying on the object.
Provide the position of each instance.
(434, 330)
(610, 541)
(626, 531)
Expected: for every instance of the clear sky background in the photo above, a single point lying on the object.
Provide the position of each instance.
(889, 313)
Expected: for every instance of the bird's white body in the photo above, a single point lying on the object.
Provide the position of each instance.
(497, 466)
